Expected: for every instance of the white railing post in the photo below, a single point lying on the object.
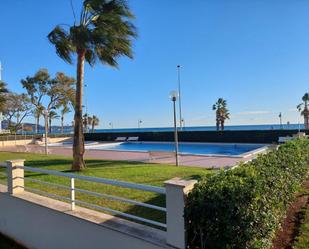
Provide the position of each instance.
(15, 176)
(72, 194)
(176, 192)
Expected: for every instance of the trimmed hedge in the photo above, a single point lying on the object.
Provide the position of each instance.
(243, 208)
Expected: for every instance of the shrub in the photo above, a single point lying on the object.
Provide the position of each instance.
(243, 208)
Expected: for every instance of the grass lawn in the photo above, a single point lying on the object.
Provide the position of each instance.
(148, 174)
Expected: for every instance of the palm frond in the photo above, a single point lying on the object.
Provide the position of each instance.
(62, 42)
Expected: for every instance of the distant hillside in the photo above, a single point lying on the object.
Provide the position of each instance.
(30, 127)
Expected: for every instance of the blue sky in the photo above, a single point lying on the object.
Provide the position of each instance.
(255, 54)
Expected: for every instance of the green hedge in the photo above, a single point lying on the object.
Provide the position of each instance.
(243, 208)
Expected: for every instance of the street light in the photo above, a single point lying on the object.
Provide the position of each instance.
(280, 117)
(183, 122)
(86, 97)
(173, 96)
(111, 125)
(139, 122)
(46, 130)
(179, 95)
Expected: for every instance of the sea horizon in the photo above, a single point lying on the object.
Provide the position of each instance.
(207, 128)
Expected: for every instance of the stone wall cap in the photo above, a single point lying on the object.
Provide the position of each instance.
(15, 160)
(180, 182)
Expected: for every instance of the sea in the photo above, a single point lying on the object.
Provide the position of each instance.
(208, 128)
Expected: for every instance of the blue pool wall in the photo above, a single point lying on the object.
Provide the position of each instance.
(245, 136)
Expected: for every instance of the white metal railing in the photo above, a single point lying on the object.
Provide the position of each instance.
(73, 190)
(175, 190)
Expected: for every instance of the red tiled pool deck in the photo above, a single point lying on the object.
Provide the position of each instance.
(210, 162)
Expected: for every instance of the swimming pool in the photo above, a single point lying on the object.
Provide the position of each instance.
(184, 148)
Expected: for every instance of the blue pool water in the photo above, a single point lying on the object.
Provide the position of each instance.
(185, 148)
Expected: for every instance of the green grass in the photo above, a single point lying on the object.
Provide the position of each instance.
(148, 174)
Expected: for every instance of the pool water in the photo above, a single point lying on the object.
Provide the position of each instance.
(184, 148)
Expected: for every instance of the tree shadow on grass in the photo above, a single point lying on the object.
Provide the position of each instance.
(89, 163)
(148, 213)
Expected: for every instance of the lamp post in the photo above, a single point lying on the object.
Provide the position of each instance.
(173, 96)
(280, 117)
(86, 97)
(46, 131)
(111, 125)
(183, 123)
(139, 122)
(179, 95)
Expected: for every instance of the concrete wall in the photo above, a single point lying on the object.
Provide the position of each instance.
(11, 143)
(39, 227)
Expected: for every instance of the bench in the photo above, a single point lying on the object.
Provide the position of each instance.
(132, 139)
(120, 139)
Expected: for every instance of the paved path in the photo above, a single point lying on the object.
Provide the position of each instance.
(185, 160)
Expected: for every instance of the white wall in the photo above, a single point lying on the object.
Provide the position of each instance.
(39, 227)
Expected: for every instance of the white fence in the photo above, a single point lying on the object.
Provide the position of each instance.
(175, 191)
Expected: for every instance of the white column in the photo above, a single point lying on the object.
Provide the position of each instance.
(176, 192)
(72, 194)
(15, 176)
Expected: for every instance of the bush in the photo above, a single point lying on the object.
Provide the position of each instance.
(243, 208)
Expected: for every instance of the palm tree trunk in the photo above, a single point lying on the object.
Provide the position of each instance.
(306, 118)
(62, 118)
(78, 141)
(217, 124)
(50, 122)
(222, 125)
(37, 124)
(92, 127)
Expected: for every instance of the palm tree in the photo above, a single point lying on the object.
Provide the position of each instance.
(95, 122)
(3, 91)
(52, 115)
(104, 32)
(222, 113)
(86, 122)
(65, 109)
(37, 112)
(304, 109)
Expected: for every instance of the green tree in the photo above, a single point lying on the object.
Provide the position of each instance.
(16, 108)
(52, 115)
(304, 109)
(94, 122)
(42, 89)
(222, 113)
(86, 122)
(36, 87)
(37, 112)
(3, 92)
(104, 32)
